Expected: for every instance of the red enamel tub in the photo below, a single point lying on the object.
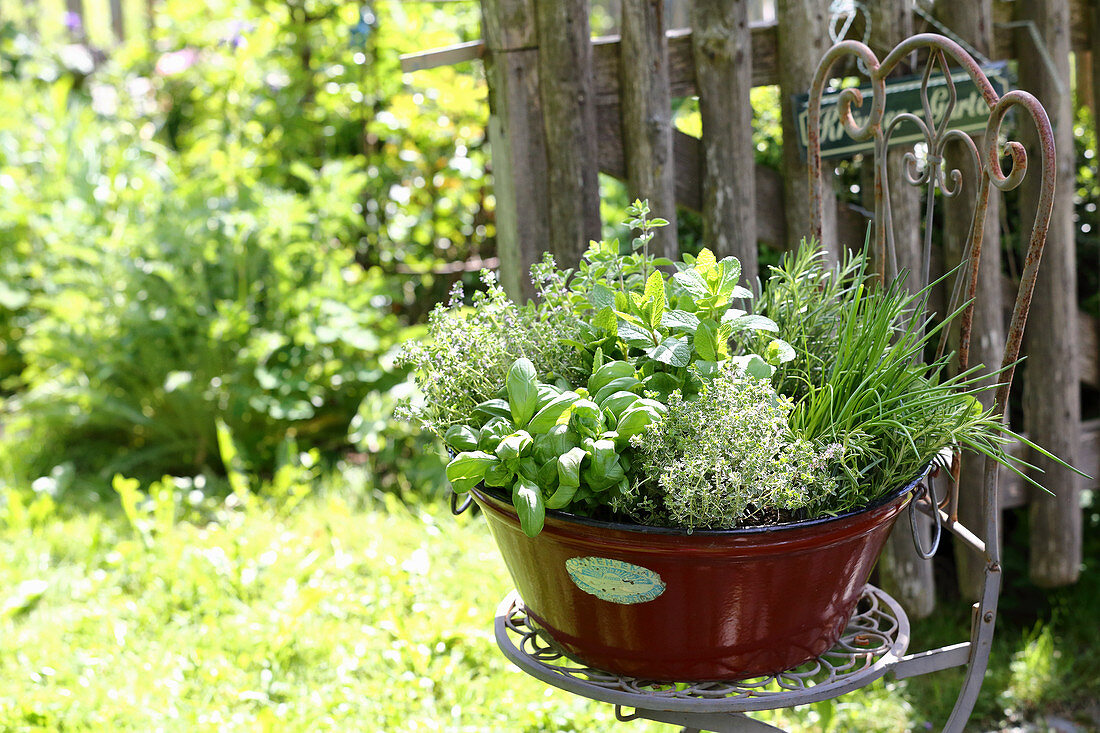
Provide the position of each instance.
(665, 604)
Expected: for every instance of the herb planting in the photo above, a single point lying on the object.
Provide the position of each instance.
(627, 393)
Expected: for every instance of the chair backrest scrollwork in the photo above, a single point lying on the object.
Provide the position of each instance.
(986, 154)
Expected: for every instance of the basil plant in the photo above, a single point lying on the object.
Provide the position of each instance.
(553, 448)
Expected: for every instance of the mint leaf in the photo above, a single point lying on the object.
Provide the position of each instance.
(605, 320)
(778, 352)
(680, 319)
(753, 322)
(693, 282)
(673, 351)
(706, 341)
(634, 336)
(601, 296)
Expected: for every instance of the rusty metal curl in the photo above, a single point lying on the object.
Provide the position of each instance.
(913, 175)
(1015, 150)
(956, 175)
(847, 98)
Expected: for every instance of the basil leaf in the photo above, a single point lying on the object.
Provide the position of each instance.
(622, 384)
(549, 415)
(634, 420)
(495, 408)
(514, 447)
(493, 432)
(554, 442)
(461, 438)
(562, 497)
(528, 469)
(546, 393)
(569, 467)
(587, 418)
(607, 373)
(527, 500)
(499, 476)
(617, 402)
(467, 469)
(523, 395)
(547, 475)
(604, 470)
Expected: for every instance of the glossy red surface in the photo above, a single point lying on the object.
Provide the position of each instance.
(735, 603)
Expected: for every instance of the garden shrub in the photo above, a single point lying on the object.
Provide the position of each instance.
(238, 220)
(216, 301)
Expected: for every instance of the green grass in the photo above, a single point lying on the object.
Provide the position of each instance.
(356, 614)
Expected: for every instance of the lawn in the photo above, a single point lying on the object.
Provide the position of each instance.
(355, 611)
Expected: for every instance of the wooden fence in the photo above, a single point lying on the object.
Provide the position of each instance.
(98, 24)
(566, 106)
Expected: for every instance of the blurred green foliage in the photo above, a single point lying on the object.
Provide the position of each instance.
(236, 221)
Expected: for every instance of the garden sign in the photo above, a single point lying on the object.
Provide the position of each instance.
(904, 93)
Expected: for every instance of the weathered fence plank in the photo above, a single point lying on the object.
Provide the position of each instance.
(647, 116)
(516, 138)
(77, 29)
(1008, 44)
(902, 572)
(118, 24)
(722, 48)
(687, 158)
(764, 50)
(974, 23)
(1094, 54)
(569, 124)
(801, 40)
(1013, 491)
(1083, 83)
(681, 61)
(1052, 405)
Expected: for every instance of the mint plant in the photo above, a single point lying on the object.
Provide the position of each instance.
(670, 323)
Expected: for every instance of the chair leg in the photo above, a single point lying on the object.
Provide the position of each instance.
(981, 641)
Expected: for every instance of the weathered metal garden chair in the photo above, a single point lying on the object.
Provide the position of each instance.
(877, 639)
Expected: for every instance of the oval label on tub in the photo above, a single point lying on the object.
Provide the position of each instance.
(614, 580)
